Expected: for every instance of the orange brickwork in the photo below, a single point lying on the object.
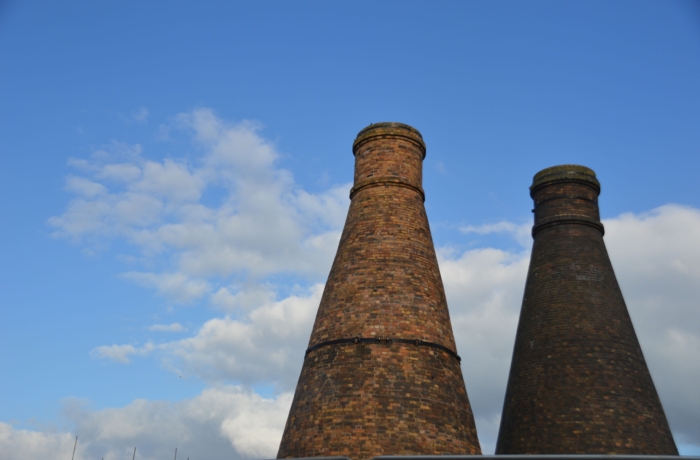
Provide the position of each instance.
(578, 380)
(381, 375)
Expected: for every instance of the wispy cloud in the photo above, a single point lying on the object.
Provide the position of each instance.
(520, 232)
(174, 327)
(121, 353)
(264, 225)
(175, 286)
(440, 167)
(140, 115)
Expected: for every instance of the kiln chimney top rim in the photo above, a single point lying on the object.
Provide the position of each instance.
(389, 129)
(564, 173)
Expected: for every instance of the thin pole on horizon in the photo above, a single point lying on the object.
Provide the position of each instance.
(74, 446)
(134, 456)
(176, 453)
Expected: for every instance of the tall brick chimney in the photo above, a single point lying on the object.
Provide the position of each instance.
(381, 374)
(578, 380)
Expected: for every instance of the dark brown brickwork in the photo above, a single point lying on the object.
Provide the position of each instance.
(367, 399)
(578, 381)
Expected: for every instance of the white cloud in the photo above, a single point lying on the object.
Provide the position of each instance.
(174, 327)
(245, 298)
(141, 115)
(33, 445)
(223, 422)
(263, 224)
(84, 187)
(656, 256)
(484, 289)
(169, 180)
(255, 429)
(174, 286)
(120, 353)
(121, 172)
(440, 167)
(115, 151)
(83, 217)
(267, 345)
(330, 207)
(521, 232)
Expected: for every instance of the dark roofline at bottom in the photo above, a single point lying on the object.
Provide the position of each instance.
(514, 457)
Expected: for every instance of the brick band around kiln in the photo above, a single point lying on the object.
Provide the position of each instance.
(567, 219)
(386, 180)
(357, 340)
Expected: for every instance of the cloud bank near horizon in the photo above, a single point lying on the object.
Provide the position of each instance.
(222, 422)
(265, 226)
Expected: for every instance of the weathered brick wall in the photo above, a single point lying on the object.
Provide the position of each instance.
(578, 381)
(367, 399)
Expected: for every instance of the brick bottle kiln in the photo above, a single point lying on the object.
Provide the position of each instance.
(578, 381)
(381, 374)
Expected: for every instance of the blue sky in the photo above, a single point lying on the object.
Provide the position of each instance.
(174, 179)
